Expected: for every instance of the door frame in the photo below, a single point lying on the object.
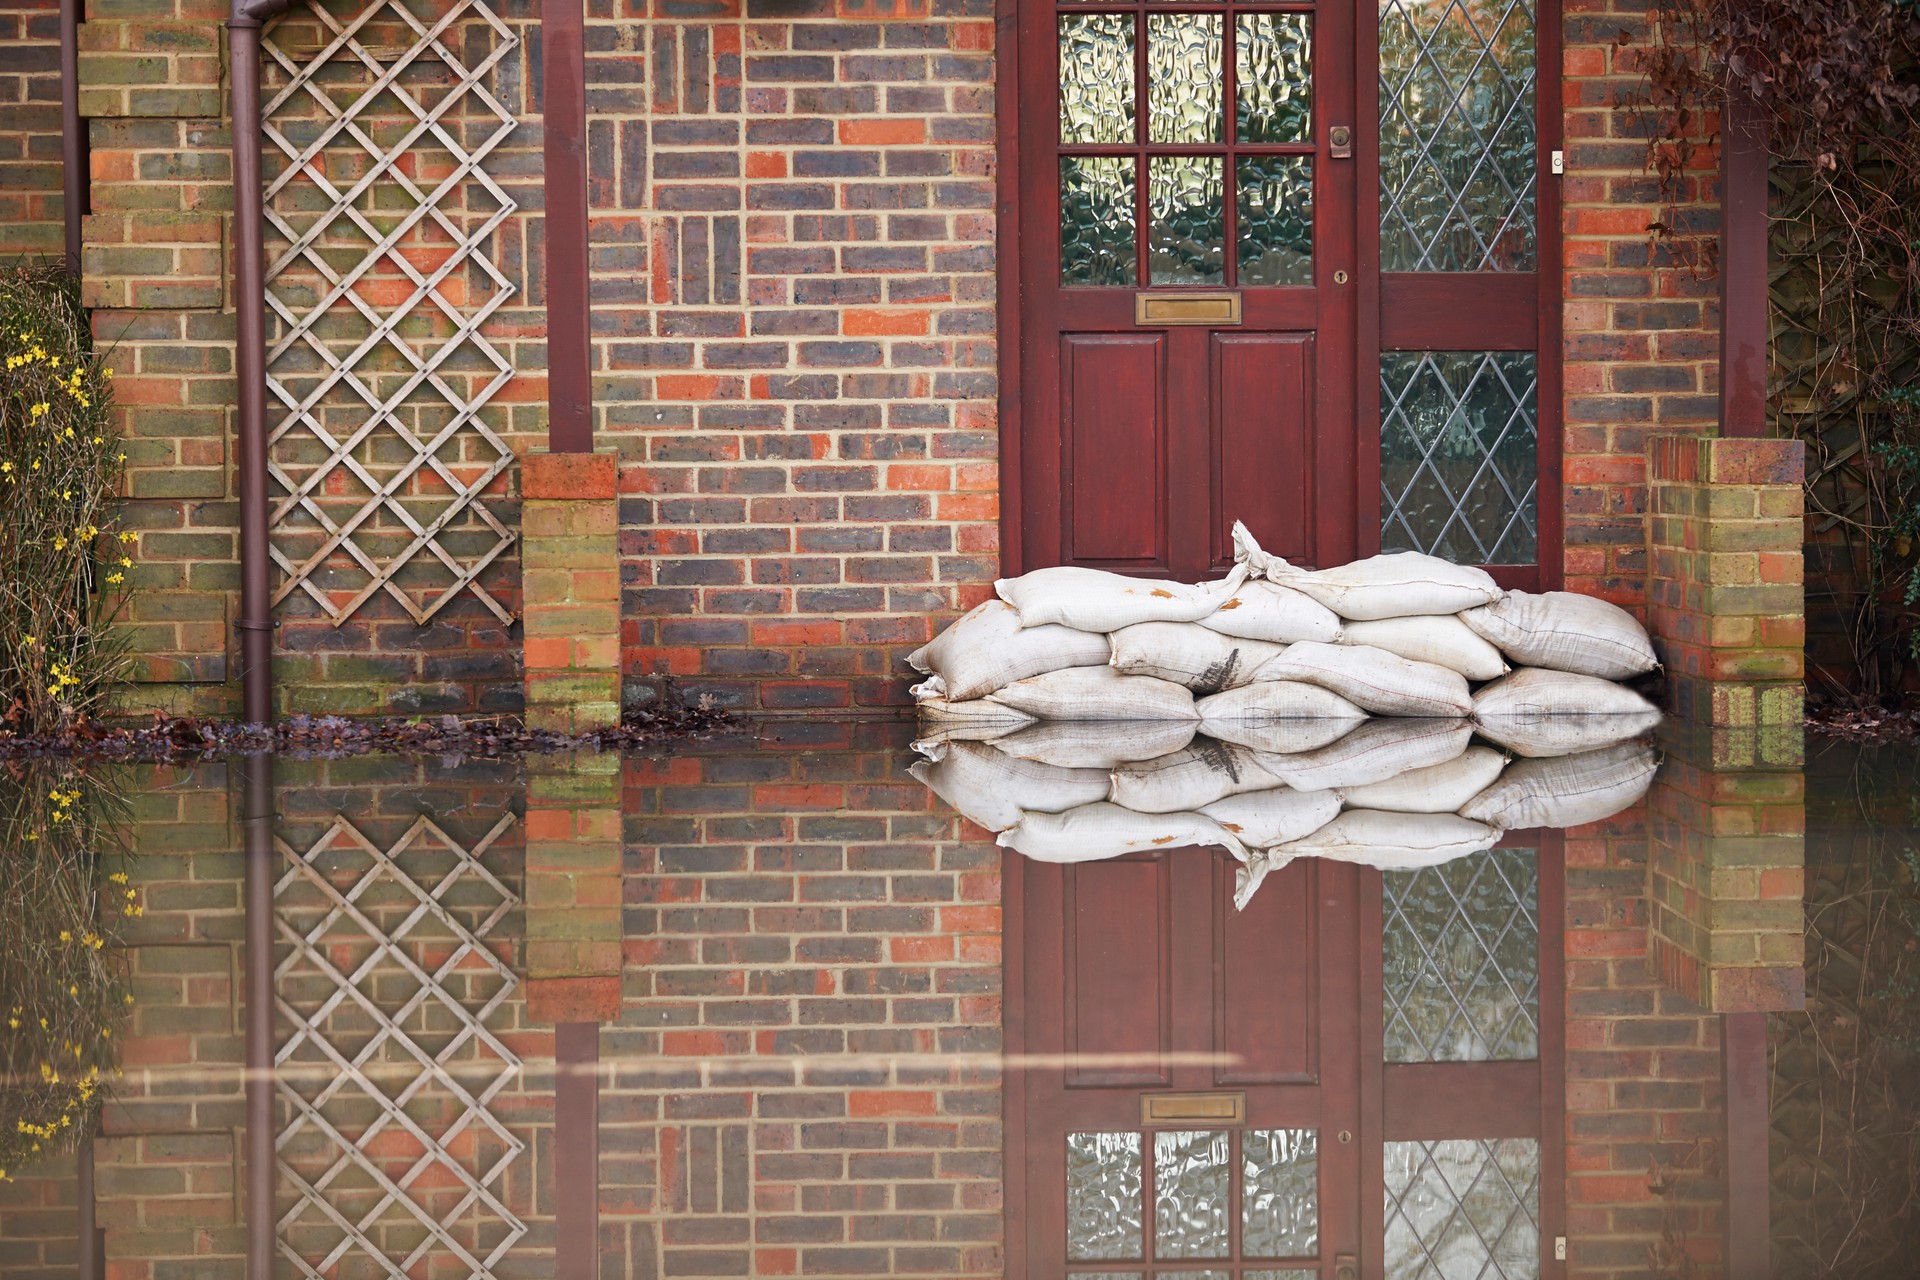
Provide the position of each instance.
(1018, 77)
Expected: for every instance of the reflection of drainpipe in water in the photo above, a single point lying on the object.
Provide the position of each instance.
(255, 623)
(256, 799)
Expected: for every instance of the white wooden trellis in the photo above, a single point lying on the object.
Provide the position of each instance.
(386, 1070)
(358, 215)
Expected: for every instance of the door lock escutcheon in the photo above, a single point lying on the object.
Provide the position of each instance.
(1340, 142)
(1345, 1267)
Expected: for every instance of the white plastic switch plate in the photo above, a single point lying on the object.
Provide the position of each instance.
(1559, 162)
(1559, 1242)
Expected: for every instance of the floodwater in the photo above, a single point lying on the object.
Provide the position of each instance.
(766, 1004)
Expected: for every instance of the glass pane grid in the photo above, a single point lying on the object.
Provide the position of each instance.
(1458, 154)
(1459, 455)
(1192, 1194)
(1463, 1207)
(1461, 948)
(1103, 1196)
(1279, 1193)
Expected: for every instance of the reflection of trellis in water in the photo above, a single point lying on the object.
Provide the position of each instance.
(381, 288)
(392, 1151)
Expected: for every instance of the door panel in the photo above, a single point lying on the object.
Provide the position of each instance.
(1113, 418)
(1117, 1005)
(1263, 442)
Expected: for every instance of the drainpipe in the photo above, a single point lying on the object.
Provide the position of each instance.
(250, 356)
(73, 141)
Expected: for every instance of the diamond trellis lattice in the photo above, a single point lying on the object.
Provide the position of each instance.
(389, 981)
(1457, 150)
(381, 281)
(1461, 947)
(1463, 1209)
(1460, 455)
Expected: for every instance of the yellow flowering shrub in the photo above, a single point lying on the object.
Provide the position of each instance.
(63, 991)
(62, 566)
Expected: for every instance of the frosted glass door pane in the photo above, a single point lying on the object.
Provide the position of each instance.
(1096, 78)
(1192, 1187)
(1103, 1195)
(1096, 220)
(1184, 80)
(1273, 77)
(1279, 1193)
(1187, 204)
(1275, 195)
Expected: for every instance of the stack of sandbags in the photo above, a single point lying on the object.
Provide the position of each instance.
(1390, 793)
(1274, 657)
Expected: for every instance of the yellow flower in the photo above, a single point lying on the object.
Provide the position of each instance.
(125, 563)
(118, 877)
(114, 578)
(6, 467)
(127, 536)
(31, 642)
(40, 410)
(66, 935)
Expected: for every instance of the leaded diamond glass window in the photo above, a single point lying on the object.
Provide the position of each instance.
(1457, 142)
(1463, 1207)
(1460, 455)
(1461, 948)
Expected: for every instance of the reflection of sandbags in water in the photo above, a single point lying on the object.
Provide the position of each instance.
(1202, 660)
(1279, 716)
(1438, 788)
(1443, 641)
(991, 788)
(1262, 611)
(1540, 713)
(1566, 632)
(1397, 585)
(1098, 693)
(1374, 679)
(1189, 779)
(975, 720)
(1095, 600)
(1262, 819)
(1543, 737)
(987, 648)
(1374, 752)
(1390, 841)
(1568, 791)
(1096, 831)
(1095, 744)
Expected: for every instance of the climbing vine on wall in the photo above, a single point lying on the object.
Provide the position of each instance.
(1835, 85)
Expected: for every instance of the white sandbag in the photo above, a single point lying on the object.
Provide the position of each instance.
(987, 648)
(1189, 779)
(1283, 737)
(1570, 791)
(1262, 819)
(1397, 585)
(1373, 679)
(991, 788)
(1533, 691)
(1262, 611)
(1565, 631)
(1267, 701)
(1187, 654)
(1095, 600)
(1443, 641)
(1394, 841)
(1098, 693)
(1095, 831)
(1251, 874)
(1438, 788)
(1093, 744)
(976, 719)
(1373, 752)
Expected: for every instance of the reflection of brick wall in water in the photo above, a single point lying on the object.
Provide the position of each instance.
(1643, 1075)
(808, 944)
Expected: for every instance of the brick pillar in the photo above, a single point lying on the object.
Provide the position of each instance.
(1725, 876)
(570, 584)
(573, 888)
(1725, 602)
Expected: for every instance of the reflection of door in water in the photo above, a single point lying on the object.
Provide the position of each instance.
(1349, 1074)
(1239, 298)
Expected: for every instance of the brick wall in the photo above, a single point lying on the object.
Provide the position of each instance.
(1641, 329)
(30, 195)
(1643, 1096)
(793, 256)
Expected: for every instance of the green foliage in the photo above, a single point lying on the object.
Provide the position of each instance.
(62, 569)
(62, 991)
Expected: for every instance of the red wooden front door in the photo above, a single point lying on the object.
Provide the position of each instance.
(1356, 1078)
(1285, 262)
(1189, 293)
